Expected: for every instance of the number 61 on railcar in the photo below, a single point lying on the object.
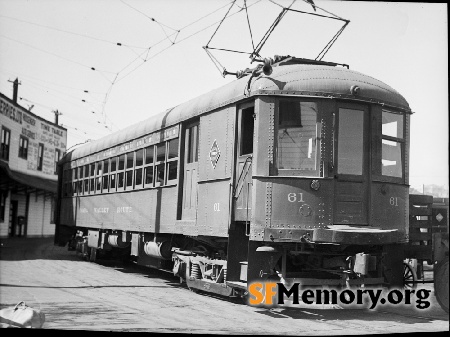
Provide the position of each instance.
(296, 171)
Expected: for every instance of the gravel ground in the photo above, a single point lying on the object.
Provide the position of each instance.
(110, 296)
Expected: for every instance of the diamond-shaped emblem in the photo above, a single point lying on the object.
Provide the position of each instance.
(214, 154)
(439, 217)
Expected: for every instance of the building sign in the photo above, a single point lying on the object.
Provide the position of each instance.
(10, 111)
(37, 131)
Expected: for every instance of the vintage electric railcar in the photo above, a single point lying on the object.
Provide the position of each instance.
(298, 170)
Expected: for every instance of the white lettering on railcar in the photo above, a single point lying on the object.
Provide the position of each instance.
(124, 209)
(83, 210)
(292, 197)
(101, 210)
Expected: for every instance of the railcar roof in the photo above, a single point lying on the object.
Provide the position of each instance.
(294, 79)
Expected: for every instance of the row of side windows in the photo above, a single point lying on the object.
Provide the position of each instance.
(153, 166)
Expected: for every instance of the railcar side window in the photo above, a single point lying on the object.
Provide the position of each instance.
(148, 169)
(172, 160)
(299, 132)
(86, 179)
(159, 164)
(112, 176)
(129, 171)
(99, 176)
(105, 175)
(91, 178)
(139, 155)
(121, 174)
(392, 144)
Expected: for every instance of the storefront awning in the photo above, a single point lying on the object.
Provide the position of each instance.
(10, 179)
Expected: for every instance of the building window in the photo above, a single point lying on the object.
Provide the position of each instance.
(57, 157)
(40, 156)
(23, 147)
(4, 149)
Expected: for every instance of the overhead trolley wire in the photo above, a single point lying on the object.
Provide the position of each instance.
(74, 33)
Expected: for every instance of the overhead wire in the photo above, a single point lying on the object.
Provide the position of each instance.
(74, 33)
(139, 56)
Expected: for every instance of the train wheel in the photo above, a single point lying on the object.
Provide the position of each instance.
(441, 283)
(409, 276)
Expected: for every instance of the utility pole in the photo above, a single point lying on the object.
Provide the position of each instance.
(15, 88)
(57, 113)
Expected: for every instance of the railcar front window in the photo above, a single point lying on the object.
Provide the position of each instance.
(392, 144)
(350, 141)
(298, 138)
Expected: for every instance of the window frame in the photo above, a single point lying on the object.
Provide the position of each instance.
(169, 161)
(149, 166)
(105, 175)
(318, 172)
(5, 143)
(40, 157)
(137, 168)
(377, 139)
(23, 150)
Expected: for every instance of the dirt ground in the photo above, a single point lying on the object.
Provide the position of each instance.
(110, 296)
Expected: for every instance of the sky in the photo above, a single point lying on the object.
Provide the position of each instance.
(107, 64)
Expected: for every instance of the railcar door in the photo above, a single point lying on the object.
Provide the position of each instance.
(190, 171)
(243, 180)
(352, 161)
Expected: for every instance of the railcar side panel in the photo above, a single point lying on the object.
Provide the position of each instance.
(214, 208)
(390, 207)
(217, 144)
(143, 211)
